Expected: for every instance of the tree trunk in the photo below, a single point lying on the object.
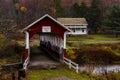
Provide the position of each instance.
(116, 35)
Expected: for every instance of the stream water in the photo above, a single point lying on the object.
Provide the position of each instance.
(100, 69)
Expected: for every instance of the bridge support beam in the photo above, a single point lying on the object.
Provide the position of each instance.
(27, 51)
(64, 55)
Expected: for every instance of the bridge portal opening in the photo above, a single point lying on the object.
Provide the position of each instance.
(45, 50)
(52, 44)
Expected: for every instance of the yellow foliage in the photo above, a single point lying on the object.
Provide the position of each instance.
(23, 9)
(3, 61)
(71, 54)
(12, 42)
(53, 10)
(73, 57)
(2, 36)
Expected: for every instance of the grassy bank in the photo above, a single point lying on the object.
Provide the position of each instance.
(100, 49)
(47, 74)
(60, 73)
(10, 54)
(77, 41)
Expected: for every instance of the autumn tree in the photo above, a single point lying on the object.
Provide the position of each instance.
(36, 9)
(47, 7)
(7, 20)
(58, 10)
(6, 16)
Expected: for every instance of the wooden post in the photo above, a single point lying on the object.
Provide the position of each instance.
(77, 68)
(21, 74)
(27, 50)
(64, 55)
(13, 76)
(70, 64)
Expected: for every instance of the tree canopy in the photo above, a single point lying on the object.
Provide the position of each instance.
(24, 12)
(75, 10)
(94, 18)
(112, 20)
(58, 11)
(92, 14)
(83, 10)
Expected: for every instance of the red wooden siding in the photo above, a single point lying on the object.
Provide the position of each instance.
(56, 28)
(26, 53)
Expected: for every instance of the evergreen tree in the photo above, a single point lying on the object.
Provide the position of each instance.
(112, 20)
(58, 10)
(83, 10)
(75, 10)
(95, 14)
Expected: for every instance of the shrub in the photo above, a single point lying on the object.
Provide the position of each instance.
(96, 55)
(71, 54)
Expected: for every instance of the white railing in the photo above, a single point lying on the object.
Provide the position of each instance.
(71, 64)
(26, 63)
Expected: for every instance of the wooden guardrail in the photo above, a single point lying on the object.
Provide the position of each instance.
(12, 65)
(71, 64)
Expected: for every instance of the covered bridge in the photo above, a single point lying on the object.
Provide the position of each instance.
(52, 37)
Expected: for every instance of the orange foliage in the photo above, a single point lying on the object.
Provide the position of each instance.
(17, 5)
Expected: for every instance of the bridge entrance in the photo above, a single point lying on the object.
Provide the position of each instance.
(52, 38)
(39, 59)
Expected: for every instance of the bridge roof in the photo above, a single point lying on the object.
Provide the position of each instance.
(46, 15)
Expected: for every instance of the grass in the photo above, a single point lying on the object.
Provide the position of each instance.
(42, 74)
(93, 37)
(22, 43)
(46, 74)
(76, 41)
(11, 59)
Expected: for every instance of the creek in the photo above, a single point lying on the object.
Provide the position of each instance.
(100, 69)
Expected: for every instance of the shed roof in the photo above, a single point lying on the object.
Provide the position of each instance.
(77, 21)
